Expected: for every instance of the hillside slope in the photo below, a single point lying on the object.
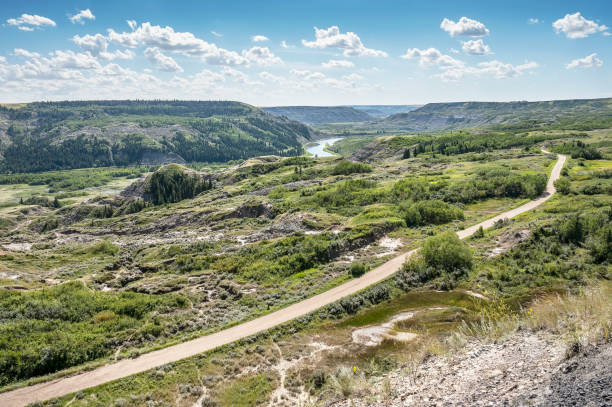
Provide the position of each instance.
(61, 135)
(381, 111)
(447, 116)
(320, 114)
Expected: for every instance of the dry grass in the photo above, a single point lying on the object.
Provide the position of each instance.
(579, 319)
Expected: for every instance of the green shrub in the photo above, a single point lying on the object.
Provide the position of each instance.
(572, 230)
(431, 212)
(448, 252)
(563, 185)
(104, 247)
(357, 270)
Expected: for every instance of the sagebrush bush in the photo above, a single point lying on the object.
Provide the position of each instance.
(357, 270)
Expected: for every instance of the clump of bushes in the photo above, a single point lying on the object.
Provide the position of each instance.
(173, 183)
(563, 185)
(578, 149)
(347, 167)
(443, 255)
(41, 201)
(431, 212)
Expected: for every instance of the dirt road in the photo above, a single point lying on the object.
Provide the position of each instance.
(127, 367)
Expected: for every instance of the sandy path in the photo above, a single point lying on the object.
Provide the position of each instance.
(127, 367)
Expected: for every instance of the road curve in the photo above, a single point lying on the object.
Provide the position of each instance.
(127, 367)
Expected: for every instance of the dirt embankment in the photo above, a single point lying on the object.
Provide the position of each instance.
(528, 369)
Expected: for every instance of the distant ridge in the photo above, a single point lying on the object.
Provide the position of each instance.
(380, 111)
(321, 114)
(456, 115)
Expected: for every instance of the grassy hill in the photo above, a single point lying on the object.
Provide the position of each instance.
(447, 116)
(321, 114)
(62, 135)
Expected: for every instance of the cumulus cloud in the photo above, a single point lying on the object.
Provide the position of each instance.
(132, 24)
(432, 56)
(24, 53)
(92, 43)
(590, 61)
(161, 61)
(464, 27)
(216, 34)
(285, 45)
(308, 75)
(453, 69)
(501, 70)
(476, 47)
(239, 76)
(81, 16)
(261, 56)
(60, 65)
(28, 22)
(118, 54)
(533, 21)
(271, 77)
(259, 38)
(338, 63)
(576, 26)
(165, 38)
(349, 42)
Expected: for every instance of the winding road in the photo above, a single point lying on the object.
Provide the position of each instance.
(127, 367)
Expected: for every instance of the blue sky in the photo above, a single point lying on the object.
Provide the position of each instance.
(269, 52)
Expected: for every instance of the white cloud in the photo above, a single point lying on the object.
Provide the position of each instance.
(576, 26)
(161, 61)
(92, 43)
(453, 69)
(216, 34)
(239, 76)
(261, 56)
(28, 22)
(165, 38)
(465, 26)
(118, 54)
(24, 53)
(476, 47)
(349, 42)
(590, 61)
(533, 21)
(501, 70)
(271, 77)
(353, 77)
(338, 63)
(308, 75)
(432, 56)
(73, 60)
(132, 23)
(259, 38)
(81, 16)
(285, 45)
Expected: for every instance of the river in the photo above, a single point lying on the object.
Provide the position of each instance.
(318, 149)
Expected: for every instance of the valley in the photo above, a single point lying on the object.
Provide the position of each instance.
(264, 280)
